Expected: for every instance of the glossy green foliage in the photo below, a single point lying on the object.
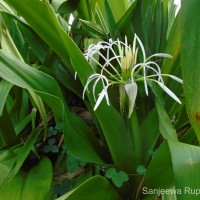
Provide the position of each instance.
(106, 153)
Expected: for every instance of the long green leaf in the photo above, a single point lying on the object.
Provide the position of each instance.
(7, 131)
(68, 7)
(40, 105)
(149, 134)
(186, 164)
(112, 25)
(123, 23)
(118, 8)
(24, 152)
(9, 46)
(165, 126)
(96, 187)
(173, 47)
(190, 58)
(27, 185)
(159, 174)
(7, 161)
(94, 30)
(56, 34)
(5, 88)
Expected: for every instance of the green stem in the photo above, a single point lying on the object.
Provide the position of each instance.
(136, 137)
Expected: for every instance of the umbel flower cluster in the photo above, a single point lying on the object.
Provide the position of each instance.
(119, 66)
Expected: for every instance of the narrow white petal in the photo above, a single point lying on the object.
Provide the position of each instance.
(157, 72)
(133, 70)
(136, 66)
(126, 46)
(145, 80)
(134, 46)
(91, 78)
(154, 63)
(163, 55)
(142, 47)
(106, 94)
(85, 88)
(145, 86)
(174, 77)
(94, 88)
(169, 92)
(113, 58)
(100, 98)
(75, 75)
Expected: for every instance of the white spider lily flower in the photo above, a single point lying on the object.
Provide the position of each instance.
(118, 65)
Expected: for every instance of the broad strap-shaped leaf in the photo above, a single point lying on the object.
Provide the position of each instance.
(68, 7)
(31, 185)
(123, 23)
(173, 48)
(96, 187)
(159, 173)
(165, 126)
(24, 152)
(149, 134)
(55, 32)
(179, 168)
(7, 161)
(5, 88)
(111, 22)
(9, 46)
(118, 8)
(7, 131)
(186, 164)
(93, 29)
(190, 59)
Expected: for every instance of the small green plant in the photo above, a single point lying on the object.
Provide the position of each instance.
(118, 178)
(52, 131)
(73, 163)
(62, 187)
(51, 146)
(141, 169)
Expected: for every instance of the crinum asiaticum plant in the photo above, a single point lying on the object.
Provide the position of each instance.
(125, 69)
(127, 139)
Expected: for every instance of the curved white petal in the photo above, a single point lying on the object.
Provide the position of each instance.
(169, 92)
(174, 78)
(163, 55)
